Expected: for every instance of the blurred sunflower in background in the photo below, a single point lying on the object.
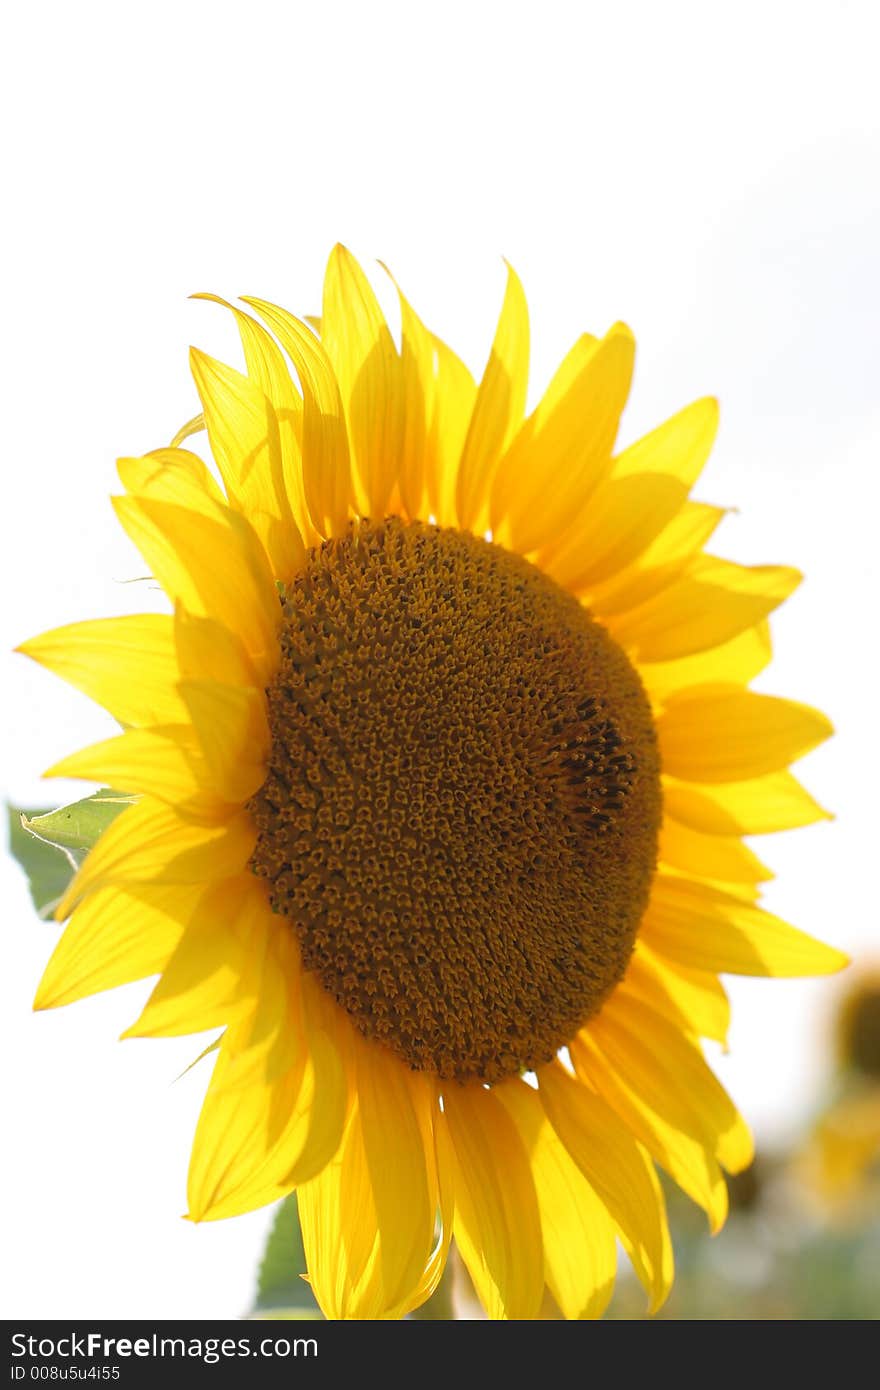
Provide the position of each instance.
(442, 761)
(840, 1162)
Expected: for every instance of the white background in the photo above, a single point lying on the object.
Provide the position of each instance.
(706, 172)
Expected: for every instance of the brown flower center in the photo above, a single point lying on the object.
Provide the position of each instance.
(861, 1030)
(461, 811)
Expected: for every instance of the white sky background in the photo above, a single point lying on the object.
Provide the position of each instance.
(708, 173)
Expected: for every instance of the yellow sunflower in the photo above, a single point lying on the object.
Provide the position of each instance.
(443, 758)
(840, 1162)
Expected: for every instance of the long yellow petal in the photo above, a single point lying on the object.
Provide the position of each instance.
(245, 440)
(275, 1111)
(203, 983)
(716, 735)
(397, 1164)
(340, 1234)
(647, 485)
(234, 1167)
(723, 858)
(163, 762)
(233, 732)
(497, 1223)
(418, 388)
(369, 372)
(571, 369)
(148, 842)
(215, 565)
(98, 657)
(714, 602)
(694, 1000)
(658, 568)
(325, 452)
(580, 1260)
(328, 1034)
(553, 466)
(736, 662)
(369, 1255)
(207, 650)
(686, 1159)
(172, 475)
(774, 802)
(434, 1136)
(116, 935)
(455, 393)
(667, 1073)
(618, 1170)
(498, 409)
(268, 369)
(702, 927)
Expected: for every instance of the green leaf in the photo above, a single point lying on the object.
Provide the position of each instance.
(47, 868)
(282, 1292)
(76, 828)
(50, 845)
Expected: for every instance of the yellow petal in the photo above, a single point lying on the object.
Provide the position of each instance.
(245, 440)
(693, 1000)
(618, 1170)
(648, 484)
(737, 661)
(325, 453)
(580, 1260)
(164, 763)
(667, 1074)
(659, 567)
(553, 466)
(100, 658)
(570, 370)
(497, 1224)
(397, 1164)
(268, 369)
(723, 858)
(726, 735)
(148, 842)
(215, 566)
(116, 935)
(700, 926)
(207, 650)
(172, 475)
(715, 601)
(193, 426)
(368, 370)
(417, 377)
(499, 406)
(328, 1035)
(685, 1158)
(340, 1233)
(233, 732)
(455, 393)
(434, 1136)
(202, 985)
(275, 1111)
(234, 1166)
(774, 802)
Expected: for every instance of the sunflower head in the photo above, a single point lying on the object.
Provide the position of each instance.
(443, 754)
(858, 1025)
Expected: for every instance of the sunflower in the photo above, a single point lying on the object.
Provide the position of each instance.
(442, 761)
(840, 1161)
